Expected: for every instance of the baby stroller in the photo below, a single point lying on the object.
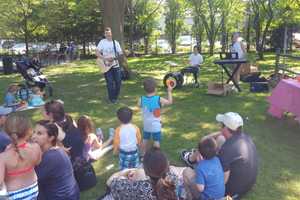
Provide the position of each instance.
(30, 70)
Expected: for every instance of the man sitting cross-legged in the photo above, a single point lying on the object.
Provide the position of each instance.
(238, 156)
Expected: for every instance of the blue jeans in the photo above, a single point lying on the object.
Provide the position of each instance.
(113, 83)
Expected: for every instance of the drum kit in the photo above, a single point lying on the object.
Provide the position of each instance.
(174, 79)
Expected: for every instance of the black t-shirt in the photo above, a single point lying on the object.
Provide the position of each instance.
(55, 177)
(74, 141)
(238, 154)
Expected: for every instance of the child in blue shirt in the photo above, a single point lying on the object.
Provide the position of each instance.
(10, 96)
(151, 105)
(36, 98)
(208, 176)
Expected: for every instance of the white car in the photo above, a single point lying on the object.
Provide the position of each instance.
(20, 48)
(185, 40)
(162, 44)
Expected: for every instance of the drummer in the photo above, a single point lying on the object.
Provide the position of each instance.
(195, 60)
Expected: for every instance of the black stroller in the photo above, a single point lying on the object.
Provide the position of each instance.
(30, 70)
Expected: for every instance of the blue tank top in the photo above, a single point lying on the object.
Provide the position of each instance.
(151, 113)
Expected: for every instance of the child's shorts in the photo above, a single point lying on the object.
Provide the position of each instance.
(129, 159)
(155, 136)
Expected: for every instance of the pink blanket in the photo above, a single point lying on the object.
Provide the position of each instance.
(285, 98)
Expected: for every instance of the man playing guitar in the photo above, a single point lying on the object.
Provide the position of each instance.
(108, 50)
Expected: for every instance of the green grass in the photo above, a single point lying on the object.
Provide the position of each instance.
(81, 86)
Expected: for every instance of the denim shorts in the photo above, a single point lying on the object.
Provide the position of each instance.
(156, 136)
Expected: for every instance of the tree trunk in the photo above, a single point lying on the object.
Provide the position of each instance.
(131, 26)
(211, 46)
(146, 45)
(291, 39)
(113, 16)
(84, 48)
(199, 42)
(224, 36)
(26, 35)
(248, 33)
(257, 32)
(263, 40)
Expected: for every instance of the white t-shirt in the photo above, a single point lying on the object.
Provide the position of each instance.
(106, 48)
(237, 48)
(195, 59)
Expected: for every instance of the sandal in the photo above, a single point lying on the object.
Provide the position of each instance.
(185, 154)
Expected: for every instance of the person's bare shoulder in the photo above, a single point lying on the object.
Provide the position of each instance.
(33, 152)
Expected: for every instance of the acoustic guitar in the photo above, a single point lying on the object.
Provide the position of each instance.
(105, 66)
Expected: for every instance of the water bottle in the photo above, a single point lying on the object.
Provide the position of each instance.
(99, 134)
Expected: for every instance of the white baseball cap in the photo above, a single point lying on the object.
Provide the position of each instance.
(231, 120)
(5, 110)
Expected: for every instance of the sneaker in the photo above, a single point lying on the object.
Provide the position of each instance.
(185, 154)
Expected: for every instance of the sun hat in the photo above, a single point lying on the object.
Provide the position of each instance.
(5, 110)
(231, 120)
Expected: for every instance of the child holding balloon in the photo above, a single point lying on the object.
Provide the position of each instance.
(151, 105)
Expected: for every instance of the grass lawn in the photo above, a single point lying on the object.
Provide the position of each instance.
(192, 116)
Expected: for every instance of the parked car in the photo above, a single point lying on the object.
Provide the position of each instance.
(185, 40)
(7, 44)
(163, 45)
(20, 48)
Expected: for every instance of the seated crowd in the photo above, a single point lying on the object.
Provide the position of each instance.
(42, 162)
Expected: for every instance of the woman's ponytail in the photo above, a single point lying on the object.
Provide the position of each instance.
(17, 127)
(165, 188)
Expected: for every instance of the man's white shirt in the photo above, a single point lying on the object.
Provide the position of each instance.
(106, 48)
(195, 59)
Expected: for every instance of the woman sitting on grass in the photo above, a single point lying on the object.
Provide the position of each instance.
(157, 181)
(18, 160)
(94, 147)
(55, 173)
(54, 112)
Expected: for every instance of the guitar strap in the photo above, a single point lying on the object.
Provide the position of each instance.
(116, 53)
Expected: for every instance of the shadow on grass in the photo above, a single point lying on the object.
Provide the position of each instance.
(82, 88)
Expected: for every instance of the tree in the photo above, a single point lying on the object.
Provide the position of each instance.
(174, 21)
(198, 28)
(113, 16)
(140, 20)
(263, 16)
(232, 15)
(87, 26)
(287, 15)
(209, 13)
(21, 19)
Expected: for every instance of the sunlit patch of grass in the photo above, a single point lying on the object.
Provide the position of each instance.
(82, 87)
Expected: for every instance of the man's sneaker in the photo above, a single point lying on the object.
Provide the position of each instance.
(185, 154)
